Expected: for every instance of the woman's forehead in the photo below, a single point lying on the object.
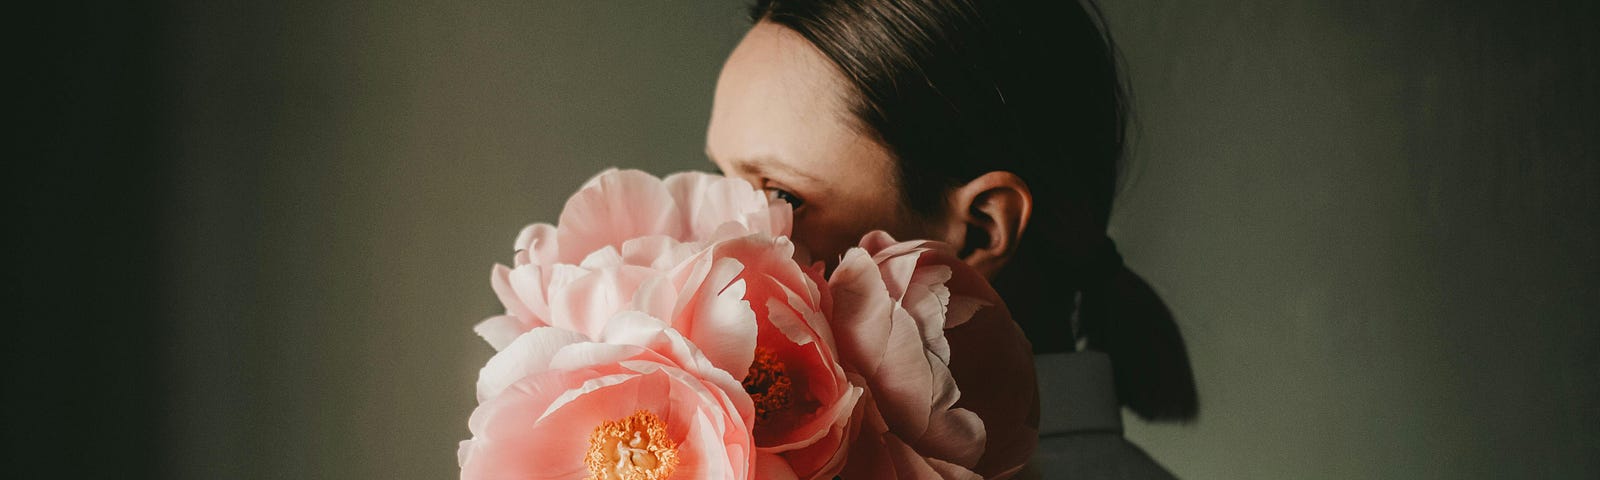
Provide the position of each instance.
(778, 106)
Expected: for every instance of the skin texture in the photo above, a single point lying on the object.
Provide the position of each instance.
(781, 121)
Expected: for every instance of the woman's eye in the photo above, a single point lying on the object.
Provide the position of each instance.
(793, 200)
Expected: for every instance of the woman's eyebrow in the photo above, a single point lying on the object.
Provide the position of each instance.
(764, 166)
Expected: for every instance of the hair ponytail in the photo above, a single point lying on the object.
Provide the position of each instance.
(1129, 322)
(1119, 314)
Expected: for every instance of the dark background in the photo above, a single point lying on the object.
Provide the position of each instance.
(253, 236)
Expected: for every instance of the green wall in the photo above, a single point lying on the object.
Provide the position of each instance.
(1377, 222)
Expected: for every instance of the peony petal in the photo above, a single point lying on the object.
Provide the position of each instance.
(529, 284)
(580, 355)
(645, 331)
(770, 466)
(1007, 454)
(656, 297)
(594, 181)
(529, 354)
(926, 298)
(946, 392)
(821, 298)
(655, 251)
(876, 241)
(718, 207)
(539, 426)
(897, 271)
(860, 305)
(499, 280)
(867, 457)
(500, 330)
(784, 317)
(552, 443)
(728, 230)
(907, 462)
(903, 383)
(956, 435)
(713, 314)
(464, 452)
(627, 381)
(961, 309)
(589, 300)
(725, 329)
(780, 218)
(771, 256)
(726, 426)
(951, 471)
(562, 275)
(706, 462)
(992, 361)
(981, 349)
(605, 257)
(538, 243)
(666, 345)
(612, 208)
(833, 420)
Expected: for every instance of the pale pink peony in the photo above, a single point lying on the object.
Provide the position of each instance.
(618, 225)
(618, 206)
(644, 403)
(951, 387)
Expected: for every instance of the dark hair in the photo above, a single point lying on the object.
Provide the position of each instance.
(958, 88)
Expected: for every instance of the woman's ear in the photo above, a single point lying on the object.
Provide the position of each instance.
(985, 219)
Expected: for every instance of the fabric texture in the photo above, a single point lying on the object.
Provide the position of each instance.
(1080, 423)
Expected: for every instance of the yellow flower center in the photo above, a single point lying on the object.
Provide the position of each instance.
(632, 448)
(768, 384)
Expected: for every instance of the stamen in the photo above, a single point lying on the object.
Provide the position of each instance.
(632, 448)
(768, 384)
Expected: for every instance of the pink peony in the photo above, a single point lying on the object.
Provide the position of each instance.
(803, 400)
(642, 404)
(753, 311)
(617, 206)
(945, 374)
(691, 340)
(622, 217)
(743, 301)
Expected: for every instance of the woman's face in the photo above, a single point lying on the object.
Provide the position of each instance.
(780, 121)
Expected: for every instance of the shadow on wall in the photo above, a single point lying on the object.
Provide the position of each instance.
(1376, 222)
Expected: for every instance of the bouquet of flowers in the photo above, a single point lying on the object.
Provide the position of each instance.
(668, 328)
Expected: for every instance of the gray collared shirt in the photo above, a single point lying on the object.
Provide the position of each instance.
(1080, 423)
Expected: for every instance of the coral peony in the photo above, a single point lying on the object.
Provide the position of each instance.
(745, 303)
(950, 375)
(803, 400)
(642, 404)
(753, 311)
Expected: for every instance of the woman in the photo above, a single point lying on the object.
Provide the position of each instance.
(996, 127)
